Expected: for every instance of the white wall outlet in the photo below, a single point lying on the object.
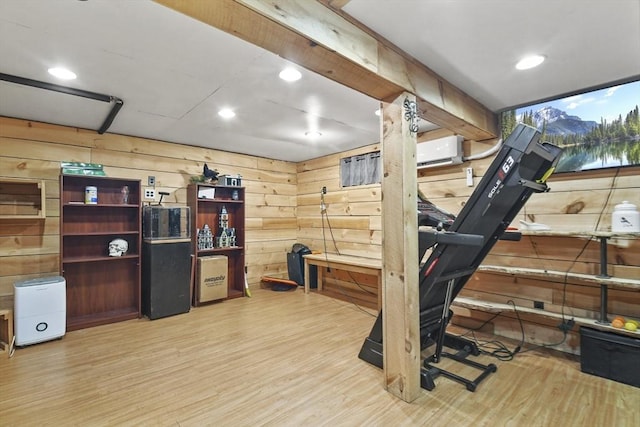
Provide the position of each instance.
(149, 194)
(469, 177)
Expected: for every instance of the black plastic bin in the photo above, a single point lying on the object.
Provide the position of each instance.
(610, 355)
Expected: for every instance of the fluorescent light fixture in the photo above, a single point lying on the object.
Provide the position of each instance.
(226, 113)
(312, 134)
(62, 73)
(530, 62)
(290, 74)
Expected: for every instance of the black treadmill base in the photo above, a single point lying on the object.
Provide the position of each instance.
(371, 351)
(429, 373)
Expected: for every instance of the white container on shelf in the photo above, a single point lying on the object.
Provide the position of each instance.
(91, 195)
(625, 218)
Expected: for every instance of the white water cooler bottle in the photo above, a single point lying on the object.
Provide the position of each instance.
(625, 218)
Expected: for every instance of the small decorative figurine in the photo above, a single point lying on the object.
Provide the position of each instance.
(125, 194)
(210, 175)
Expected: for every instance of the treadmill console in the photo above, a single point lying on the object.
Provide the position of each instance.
(432, 216)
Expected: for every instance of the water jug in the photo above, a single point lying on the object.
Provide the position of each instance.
(625, 218)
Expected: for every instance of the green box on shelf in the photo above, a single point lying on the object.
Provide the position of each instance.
(79, 168)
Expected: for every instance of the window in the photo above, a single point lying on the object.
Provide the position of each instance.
(361, 169)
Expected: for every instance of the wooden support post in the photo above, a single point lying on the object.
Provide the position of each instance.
(400, 304)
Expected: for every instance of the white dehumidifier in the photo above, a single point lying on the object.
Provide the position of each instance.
(40, 309)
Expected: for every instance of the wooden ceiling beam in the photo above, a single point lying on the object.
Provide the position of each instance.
(335, 4)
(314, 36)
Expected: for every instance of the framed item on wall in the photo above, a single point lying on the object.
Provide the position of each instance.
(596, 129)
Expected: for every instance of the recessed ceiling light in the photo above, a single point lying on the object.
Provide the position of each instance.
(226, 113)
(290, 74)
(312, 134)
(62, 73)
(530, 62)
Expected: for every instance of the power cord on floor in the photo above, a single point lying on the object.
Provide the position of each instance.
(496, 348)
(499, 350)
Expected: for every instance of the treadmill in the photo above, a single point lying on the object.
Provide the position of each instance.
(520, 169)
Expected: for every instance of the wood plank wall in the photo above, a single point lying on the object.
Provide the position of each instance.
(283, 207)
(30, 248)
(576, 201)
(352, 224)
(582, 201)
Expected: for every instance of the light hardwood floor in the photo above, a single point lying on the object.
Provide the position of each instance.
(279, 359)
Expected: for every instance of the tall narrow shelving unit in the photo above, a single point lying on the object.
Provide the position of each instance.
(206, 210)
(100, 288)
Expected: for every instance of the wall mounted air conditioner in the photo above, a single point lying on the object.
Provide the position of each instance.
(439, 152)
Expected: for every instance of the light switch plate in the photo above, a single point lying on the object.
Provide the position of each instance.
(469, 177)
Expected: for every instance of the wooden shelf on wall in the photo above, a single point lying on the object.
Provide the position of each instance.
(22, 199)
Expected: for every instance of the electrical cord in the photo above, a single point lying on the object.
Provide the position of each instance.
(565, 326)
(335, 245)
(496, 348)
(324, 215)
(606, 203)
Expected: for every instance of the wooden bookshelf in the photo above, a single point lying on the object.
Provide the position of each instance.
(100, 288)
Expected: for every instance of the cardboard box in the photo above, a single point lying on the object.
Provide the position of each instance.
(212, 278)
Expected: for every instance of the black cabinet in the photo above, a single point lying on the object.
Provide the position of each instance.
(166, 277)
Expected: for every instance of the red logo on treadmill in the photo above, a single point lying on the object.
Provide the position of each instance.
(506, 167)
(502, 173)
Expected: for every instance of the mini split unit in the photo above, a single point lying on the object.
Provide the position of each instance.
(439, 152)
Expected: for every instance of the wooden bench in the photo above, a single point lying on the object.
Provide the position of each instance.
(343, 262)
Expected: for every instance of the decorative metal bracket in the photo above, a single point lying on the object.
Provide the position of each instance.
(411, 115)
